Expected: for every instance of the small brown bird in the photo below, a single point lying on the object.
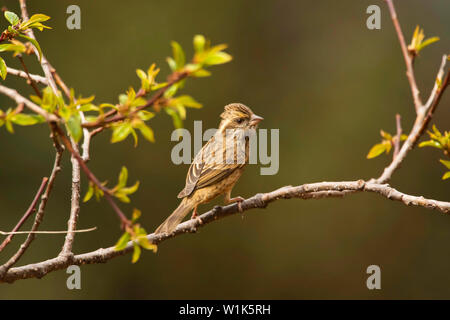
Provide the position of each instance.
(214, 171)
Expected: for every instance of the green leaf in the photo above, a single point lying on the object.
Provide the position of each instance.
(26, 119)
(123, 177)
(385, 135)
(138, 102)
(35, 22)
(145, 115)
(146, 131)
(89, 107)
(12, 18)
(376, 150)
(107, 105)
(122, 197)
(178, 55)
(121, 132)
(74, 127)
(122, 242)
(145, 83)
(181, 110)
(136, 253)
(201, 73)
(89, 193)
(199, 43)
(172, 64)
(35, 43)
(39, 17)
(133, 133)
(171, 91)
(136, 215)
(3, 71)
(146, 244)
(427, 43)
(141, 74)
(17, 47)
(123, 98)
(446, 175)
(188, 101)
(217, 58)
(130, 190)
(445, 163)
(81, 101)
(430, 143)
(98, 193)
(9, 126)
(177, 121)
(158, 86)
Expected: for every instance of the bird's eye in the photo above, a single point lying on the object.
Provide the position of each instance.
(240, 120)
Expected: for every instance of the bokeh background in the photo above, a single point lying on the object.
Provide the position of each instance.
(311, 69)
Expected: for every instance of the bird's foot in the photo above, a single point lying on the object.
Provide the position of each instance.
(194, 213)
(239, 202)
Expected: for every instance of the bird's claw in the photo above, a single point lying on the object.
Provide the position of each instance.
(239, 202)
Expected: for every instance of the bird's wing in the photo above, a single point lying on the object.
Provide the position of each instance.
(206, 170)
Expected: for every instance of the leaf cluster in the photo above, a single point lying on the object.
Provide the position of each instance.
(440, 141)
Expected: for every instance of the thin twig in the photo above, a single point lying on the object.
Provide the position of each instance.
(422, 119)
(107, 193)
(14, 95)
(398, 136)
(53, 78)
(261, 200)
(49, 232)
(119, 117)
(38, 218)
(406, 55)
(27, 214)
(86, 134)
(22, 74)
(30, 80)
(44, 63)
(74, 204)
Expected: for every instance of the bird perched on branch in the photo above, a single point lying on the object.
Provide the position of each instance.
(218, 165)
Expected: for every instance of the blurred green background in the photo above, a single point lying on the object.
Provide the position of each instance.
(311, 69)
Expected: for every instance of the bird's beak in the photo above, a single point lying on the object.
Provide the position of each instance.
(254, 120)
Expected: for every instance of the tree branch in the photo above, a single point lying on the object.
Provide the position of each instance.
(107, 193)
(39, 215)
(175, 77)
(423, 117)
(30, 80)
(44, 63)
(27, 214)
(22, 74)
(398, 136)
(406, 55)
(14, 95)
(74, 206)
(261, 200)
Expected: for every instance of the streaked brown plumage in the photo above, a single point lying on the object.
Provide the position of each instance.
(214, 171)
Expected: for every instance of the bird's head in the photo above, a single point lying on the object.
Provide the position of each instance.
(238, 116)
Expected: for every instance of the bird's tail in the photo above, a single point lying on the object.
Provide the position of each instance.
(176, 217)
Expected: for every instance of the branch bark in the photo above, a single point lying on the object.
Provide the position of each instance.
(407, 56)
(261, 200)
(23, 74)
(44, 63)
(423, 117)
(14, 95)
